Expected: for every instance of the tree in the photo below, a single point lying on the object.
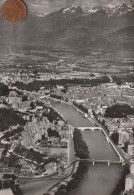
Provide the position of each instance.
(0, 184)
(13, 161)
(115, 137)
(103, 122)
(24, 98)
(120, 186)
(9, 117)
(35, 71)
(133, 132)
(6, 184)
(64, 90)
(92, 75)
(10, 176)
(119, 111)
(4, 90)
(126, 146)
(32, 105)
(5, 150)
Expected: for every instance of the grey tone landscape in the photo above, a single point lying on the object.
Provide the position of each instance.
(67, 99)
(92, 36)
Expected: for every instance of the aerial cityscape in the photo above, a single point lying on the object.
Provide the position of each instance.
(67, 99)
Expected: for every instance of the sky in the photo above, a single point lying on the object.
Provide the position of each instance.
(48, 6)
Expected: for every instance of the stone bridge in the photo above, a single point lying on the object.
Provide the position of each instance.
(106, 137)
(89, 128)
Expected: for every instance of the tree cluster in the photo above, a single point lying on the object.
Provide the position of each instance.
(30, 154)
(52, 133)
(115, 137)
(52, 115)
(11, 161)
(36, 85)
(121, 79)
(4, 90)
(56, 96)
(14, 132)
(80, 146)
(9, 117)
(125, 148)
(120, 187)
(24, 98)
(81, 107)
(9, 182)
(82, 152)
(119, 111)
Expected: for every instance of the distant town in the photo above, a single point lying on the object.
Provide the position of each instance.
(36, 141)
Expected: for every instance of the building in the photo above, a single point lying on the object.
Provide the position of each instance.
(12, 97)
(129, 182)
(130, 150)
(50, 168)
(64, 133)
(2, 147)
(7, 191)
(26, 170)
(60, 87)
(127, 85)
(132, 168)
(123, 138)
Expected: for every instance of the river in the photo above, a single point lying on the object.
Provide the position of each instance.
(100, 179)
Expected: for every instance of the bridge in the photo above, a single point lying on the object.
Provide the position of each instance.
(108, 162)
(89, 128)
(98, 127)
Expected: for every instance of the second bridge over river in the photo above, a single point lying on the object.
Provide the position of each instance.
(108, 162)
(121, 159)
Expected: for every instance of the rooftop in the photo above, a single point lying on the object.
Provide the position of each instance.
(6, 192)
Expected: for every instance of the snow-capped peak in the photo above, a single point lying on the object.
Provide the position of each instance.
(112, 10)
(41, 14)
(93, 10)
(74, 9)
(118, 9)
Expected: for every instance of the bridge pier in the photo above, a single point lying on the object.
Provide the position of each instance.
(108, 163)
(93, 162)
(121, 159)
(107, 139)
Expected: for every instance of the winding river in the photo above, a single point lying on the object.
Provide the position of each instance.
(100, 179)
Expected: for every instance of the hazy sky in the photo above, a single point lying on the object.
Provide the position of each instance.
(48, 6)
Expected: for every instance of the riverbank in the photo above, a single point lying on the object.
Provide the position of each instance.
(81, 150)
(99, 179)
(120, 186)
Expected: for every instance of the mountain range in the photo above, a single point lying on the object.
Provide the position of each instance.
(74, 27)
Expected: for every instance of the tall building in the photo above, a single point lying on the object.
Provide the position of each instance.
(129, 182)
(123, 138)
(130, 150)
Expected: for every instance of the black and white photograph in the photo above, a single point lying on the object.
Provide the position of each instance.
(67, 97)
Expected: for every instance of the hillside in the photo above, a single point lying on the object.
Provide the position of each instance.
(68, 27)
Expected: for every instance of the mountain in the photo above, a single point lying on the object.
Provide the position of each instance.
(74, 10)
(119, 10)
(77, 10)
(74, 27)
